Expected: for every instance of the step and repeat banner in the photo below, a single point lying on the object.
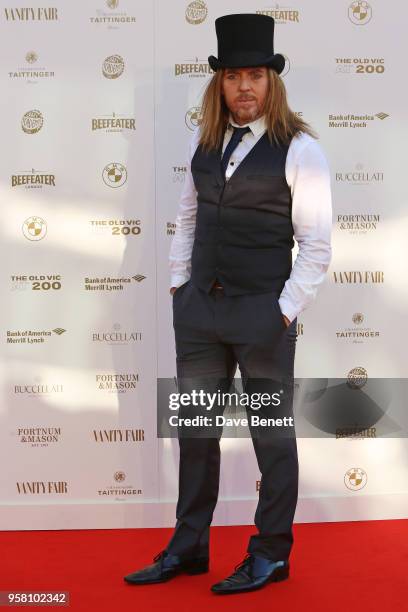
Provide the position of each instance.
(99, 101)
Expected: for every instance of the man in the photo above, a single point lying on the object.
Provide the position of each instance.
(257, 179)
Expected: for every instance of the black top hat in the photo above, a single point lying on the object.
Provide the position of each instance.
(245, 40)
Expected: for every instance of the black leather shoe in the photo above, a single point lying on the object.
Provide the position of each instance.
(165, 567)
(253, 573)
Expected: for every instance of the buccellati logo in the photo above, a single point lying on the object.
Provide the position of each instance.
(196, 12)
(113, 66)
(114, 175)
(32, 122)
(34, 228)
(360, 12)
(355, 479)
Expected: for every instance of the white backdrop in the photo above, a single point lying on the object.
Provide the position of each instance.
(98, 101)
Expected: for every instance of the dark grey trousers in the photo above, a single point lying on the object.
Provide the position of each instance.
(214, 333)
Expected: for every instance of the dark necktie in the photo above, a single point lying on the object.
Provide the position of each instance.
(232, 144)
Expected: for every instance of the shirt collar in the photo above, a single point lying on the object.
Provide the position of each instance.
(257, 127)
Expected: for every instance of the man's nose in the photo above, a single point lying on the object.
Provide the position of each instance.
(244, 84)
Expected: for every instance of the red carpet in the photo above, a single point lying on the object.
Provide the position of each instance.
(334, 566)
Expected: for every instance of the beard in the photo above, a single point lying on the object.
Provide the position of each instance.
(246, 115)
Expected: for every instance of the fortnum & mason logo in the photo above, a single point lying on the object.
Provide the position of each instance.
(358, 224)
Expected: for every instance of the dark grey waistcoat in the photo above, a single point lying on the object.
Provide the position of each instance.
(244, 232)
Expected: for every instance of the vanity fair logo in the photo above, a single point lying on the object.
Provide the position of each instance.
(355, 121)
(113, 66)
(116, 227)
(360, 176)
(36, 282)
(31, 72)
(193, 117)
(117, 336)
(112, 18)
(42, 487)
(32, 336)
(355, 479)
(33, 179)
(114, 436)
(114, 175)
(119, 491)
(360, 12)
(113, 123)
(358, 333)
(31, 14)
(34, 228)
(193, 68)
(358, 224)
(359, 277)
(38, 437)
(196, 12)
(107, 283)
(116, 383)
(32, 122)
(281, 14)
(359, 65)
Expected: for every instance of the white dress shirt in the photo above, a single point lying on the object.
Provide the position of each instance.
(308, 177)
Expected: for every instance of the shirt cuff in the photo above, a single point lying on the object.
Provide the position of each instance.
(288, 309)
(178, 279)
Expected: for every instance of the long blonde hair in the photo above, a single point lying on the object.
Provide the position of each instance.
(282, 123)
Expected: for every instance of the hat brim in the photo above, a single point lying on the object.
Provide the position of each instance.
(276, 61)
